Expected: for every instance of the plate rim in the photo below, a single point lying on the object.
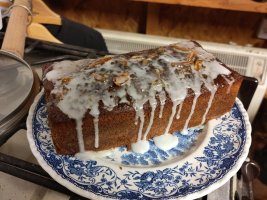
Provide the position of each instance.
(89, 194)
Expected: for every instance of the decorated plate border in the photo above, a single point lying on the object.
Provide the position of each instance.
(105, 180)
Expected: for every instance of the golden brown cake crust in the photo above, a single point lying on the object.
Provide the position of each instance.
(117, 127)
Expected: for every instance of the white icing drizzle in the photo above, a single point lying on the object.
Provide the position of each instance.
(167, 71)
(96, 132)
(229, 82)
(214, 68)
(174, 106)
(80, 134)
(141, 146)
(166, 141)
(179, 111)
(162, 98)
(192, 111)
(184, 132)
(89, 155)
(150, 121)
(141, 126)
(136, 118)
(60, 70)
(153, 105)
(161, 110)
(213, 91)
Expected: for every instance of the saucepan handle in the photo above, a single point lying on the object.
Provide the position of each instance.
(14, 40)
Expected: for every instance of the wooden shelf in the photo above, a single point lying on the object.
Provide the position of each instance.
(199, 21)
(239, 5)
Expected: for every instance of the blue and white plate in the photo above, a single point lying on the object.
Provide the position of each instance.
(204, 159)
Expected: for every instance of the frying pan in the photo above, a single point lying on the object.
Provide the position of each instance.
(18, 82)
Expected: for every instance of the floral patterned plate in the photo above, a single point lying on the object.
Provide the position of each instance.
(204, 159)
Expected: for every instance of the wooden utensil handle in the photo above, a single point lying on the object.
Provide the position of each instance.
(14, 40)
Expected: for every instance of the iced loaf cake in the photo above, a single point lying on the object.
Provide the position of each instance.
(98, 104)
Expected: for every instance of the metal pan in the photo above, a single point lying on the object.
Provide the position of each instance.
(18, 82)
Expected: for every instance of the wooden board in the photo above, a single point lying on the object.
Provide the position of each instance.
(116, 14)
(239, 5)
(206, 24)
(188, 22)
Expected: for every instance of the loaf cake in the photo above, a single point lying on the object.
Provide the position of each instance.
(99, 104)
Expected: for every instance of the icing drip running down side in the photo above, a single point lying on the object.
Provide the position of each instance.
(149, 76)
(230, 82)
